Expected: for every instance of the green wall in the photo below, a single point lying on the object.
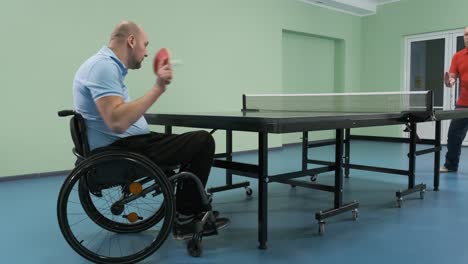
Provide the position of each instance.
(308, 63)
(227, 48)
(309, 66)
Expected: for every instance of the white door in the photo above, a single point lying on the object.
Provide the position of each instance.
(427, 58)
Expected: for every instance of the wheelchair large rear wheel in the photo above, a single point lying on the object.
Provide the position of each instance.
(96, 232)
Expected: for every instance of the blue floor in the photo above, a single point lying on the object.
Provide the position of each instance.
(433, 230)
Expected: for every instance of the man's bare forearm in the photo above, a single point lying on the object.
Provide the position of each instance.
(124, 114)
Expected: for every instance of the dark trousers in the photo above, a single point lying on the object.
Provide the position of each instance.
(194, 151)
(456, 135)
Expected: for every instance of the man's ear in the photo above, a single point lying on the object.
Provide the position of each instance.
(131, 41)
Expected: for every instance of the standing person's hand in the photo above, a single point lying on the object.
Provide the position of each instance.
(449, 80)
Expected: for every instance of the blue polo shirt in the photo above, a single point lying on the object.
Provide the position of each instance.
(102, 75)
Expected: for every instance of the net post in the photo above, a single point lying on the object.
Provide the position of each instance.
(244, 103)
(429, 101)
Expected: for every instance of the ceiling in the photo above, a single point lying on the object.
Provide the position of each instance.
(354, 7)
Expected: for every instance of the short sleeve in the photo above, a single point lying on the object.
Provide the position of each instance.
(104, 80)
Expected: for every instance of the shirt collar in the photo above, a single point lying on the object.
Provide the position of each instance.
(106, 51)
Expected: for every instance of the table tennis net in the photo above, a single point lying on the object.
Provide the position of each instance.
(374, 102)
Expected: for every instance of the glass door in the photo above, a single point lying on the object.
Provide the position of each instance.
(427, 64)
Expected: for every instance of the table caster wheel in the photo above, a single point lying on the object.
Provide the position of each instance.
(355, 213)
(421, 194)
(399, 202)
(321, 229)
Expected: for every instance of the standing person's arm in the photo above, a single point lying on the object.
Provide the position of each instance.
(451, 76)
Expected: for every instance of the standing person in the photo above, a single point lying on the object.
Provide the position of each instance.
(458, 127)
(113, 119)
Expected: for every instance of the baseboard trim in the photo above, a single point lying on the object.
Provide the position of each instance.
(66, 172)
(34, 175)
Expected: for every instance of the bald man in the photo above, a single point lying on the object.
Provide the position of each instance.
(113, 119)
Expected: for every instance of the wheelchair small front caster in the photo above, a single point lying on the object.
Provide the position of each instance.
(194, 246)
(313, 178)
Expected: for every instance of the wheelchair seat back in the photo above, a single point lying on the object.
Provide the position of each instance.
(79, 136)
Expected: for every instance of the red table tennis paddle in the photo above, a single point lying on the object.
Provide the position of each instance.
(161, 59)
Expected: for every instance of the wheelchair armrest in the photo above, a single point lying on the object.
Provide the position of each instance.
(63, 113)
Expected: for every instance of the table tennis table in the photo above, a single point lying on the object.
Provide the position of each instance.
(287, 113)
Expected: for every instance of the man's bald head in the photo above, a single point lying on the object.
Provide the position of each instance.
(123, 30)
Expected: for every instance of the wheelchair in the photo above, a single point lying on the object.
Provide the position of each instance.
(117, 206)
